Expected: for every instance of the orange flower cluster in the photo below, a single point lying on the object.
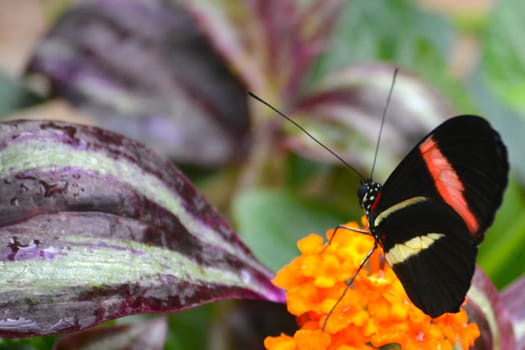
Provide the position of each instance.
(375, 312)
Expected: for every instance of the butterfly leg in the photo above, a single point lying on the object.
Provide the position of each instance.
(344, 227)
(350, 281)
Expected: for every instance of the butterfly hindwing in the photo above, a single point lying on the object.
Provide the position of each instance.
(435, 207)
(431, 254)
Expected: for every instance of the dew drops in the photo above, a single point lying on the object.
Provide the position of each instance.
(246, 276)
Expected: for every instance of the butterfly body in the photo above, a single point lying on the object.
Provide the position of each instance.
(433, 210)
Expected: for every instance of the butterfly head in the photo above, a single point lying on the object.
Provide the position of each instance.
(368, 193)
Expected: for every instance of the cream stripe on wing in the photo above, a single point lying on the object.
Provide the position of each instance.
(403, 204)
(402, 251)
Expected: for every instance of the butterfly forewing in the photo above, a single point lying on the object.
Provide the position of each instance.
(435, 207)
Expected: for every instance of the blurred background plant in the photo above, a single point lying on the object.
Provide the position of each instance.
(173, 75)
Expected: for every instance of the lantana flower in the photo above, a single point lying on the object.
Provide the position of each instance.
(375, 312)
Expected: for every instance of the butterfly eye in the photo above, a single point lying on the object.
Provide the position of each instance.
(361, 192)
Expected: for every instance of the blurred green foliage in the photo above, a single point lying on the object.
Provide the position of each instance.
(15, 95)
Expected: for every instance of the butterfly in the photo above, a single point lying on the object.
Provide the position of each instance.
(433, 210)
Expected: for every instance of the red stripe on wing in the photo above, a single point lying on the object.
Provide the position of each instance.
(374, 205)
(447, 182)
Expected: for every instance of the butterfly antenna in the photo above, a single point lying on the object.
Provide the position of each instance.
(383, 121)
(338, 157)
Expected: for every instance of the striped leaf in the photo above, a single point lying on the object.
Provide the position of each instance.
(141, 68)
(94, 226)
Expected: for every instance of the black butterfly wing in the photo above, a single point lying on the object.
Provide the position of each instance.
(429, 250)
(436, 206)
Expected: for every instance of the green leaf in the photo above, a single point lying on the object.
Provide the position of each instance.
(271, 222)
(397, 31)
(366, 32)
(14, 95)
(507, 120)
(503, 54)
(189, 328)
(501, 253)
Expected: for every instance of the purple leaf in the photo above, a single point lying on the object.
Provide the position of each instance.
(147, 70)
(146, 334)
(513, 298)
(485, 308)
(271, 43)
(95, 226)
(345, 113)
(294, 35)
